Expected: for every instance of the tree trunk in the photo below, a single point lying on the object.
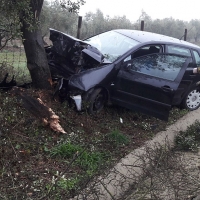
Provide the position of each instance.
(35, 53)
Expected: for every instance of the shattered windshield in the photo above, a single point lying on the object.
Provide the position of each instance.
(112, 44)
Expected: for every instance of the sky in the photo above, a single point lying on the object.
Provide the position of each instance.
(156, 9)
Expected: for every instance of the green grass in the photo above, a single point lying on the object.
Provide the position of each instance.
(85, 159)
(65, 150)
(90, 161)
(68, 184)
(118, 138)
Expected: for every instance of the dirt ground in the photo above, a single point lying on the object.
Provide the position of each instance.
(27, 165)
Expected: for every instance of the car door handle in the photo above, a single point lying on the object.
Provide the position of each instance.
(166, 88)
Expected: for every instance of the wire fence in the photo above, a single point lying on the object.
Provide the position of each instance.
(13, 62)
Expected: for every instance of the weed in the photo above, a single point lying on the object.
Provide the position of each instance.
(146, 126)
(175, 114)
(118, 138)
(189, 139)
(18, 146)
(65, 150)
(68, 184)
(90, 160)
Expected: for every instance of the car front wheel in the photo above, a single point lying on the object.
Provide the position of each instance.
(96, 101)
(192, 99)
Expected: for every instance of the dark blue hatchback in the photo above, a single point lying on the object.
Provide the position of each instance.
(142, 71)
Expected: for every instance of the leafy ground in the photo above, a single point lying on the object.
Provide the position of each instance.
(38, 163)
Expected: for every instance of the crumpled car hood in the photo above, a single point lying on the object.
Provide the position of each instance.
(88, 79)
(69, 56)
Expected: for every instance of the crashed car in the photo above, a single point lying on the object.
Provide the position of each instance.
(141, 71)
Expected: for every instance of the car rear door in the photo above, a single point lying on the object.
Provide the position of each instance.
(148, 84)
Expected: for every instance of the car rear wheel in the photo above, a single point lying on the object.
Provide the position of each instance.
(192, 99)
(96, 101)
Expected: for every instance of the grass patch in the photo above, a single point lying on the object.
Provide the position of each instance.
(83, 158)
(118, 138)
(65, 150)
(91, 161)
(68, 184)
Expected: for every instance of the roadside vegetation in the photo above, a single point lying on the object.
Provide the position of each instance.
(169, 172)
(38, 162)
(189, 140)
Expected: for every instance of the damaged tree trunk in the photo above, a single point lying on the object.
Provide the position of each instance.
(35, 53)
(38, 109)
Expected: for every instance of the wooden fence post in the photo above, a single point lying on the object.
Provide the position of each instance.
(185, 35)
(79, 27)
(142, 25)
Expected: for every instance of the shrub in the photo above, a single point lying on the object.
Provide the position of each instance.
(189, 139)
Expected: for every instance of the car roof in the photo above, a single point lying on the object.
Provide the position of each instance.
(143, 36)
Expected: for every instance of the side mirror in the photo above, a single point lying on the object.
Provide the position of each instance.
(127, 67)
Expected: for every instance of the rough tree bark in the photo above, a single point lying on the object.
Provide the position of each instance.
(35, 53)
(1, 37)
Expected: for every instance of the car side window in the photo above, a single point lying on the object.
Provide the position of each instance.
(163, 66)
(178, 50)
(146, 50)
(197, 57)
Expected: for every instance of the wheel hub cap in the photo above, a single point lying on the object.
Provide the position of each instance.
(193, 99)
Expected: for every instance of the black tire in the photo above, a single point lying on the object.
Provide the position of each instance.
(96, 101)
(192, 99)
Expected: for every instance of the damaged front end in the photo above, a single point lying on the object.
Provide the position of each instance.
(81, 86)
(69, 56)
(77, 66)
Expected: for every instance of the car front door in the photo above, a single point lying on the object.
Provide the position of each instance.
(148, 84)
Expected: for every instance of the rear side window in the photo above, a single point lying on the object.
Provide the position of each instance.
(179, 50)
(197, 57)
(163, 66)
